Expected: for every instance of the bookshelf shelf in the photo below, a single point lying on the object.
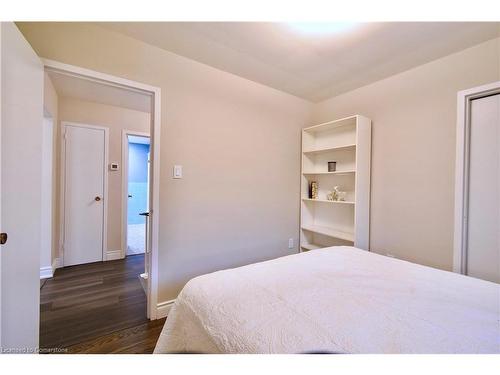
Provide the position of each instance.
(327, 201)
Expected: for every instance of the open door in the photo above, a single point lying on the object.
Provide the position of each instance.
(21, 182)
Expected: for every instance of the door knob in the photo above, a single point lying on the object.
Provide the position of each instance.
(3, 238)
(130, 195)
(97, 199)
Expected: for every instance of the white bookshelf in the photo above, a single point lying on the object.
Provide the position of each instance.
(328, 223)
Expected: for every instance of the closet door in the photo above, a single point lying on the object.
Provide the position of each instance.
(483, 231)
(84, 185)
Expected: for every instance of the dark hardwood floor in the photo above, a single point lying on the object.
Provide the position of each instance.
(97, 308)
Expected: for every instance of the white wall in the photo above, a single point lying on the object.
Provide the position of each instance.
(413, 150)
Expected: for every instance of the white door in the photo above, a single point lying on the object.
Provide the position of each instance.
(84, 169)
(21, 145)
(483, 232)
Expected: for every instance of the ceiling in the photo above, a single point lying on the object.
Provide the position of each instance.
(311, 66)
(78, 88)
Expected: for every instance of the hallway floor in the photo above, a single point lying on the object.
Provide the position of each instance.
(97, 308)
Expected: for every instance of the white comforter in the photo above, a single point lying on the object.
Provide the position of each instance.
(338, 299)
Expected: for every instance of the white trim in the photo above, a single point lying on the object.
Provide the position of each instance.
(56, 263)
(48, 272)
(464, 99)
(64, 124)
(163, 308)
(154, 195)
(60, 243)
(125, 134)
(154, 203)
(2, 25)
(98, 77)
(47, 189)
(114, 255)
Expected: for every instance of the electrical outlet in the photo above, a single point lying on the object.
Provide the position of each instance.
(290, 243)
(177, 173)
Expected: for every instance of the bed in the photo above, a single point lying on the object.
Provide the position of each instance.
(334, 300)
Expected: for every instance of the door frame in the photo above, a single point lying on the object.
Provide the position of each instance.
(154, 188)
(462, 170)
(125, 134)
(46, 270)
(62, 202)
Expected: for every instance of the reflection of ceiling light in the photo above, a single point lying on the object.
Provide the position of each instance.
(321, 28)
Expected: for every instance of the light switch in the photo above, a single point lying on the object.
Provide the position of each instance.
(114, 167)
(177, 171)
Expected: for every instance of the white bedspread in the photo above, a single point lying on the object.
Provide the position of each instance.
(338, 299)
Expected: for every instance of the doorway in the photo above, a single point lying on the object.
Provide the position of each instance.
(136, 170)
(477, 197)
(136, 147)
(117, 85)
(114, 281)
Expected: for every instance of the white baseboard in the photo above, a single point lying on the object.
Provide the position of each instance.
(163, 308)
(114, 254)
(47, 272)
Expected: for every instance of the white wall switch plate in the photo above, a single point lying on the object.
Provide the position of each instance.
(177, 171)
(290, 243)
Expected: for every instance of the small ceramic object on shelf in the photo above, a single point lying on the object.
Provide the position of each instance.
(333, 195)
(313, 190)
(332, 166)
